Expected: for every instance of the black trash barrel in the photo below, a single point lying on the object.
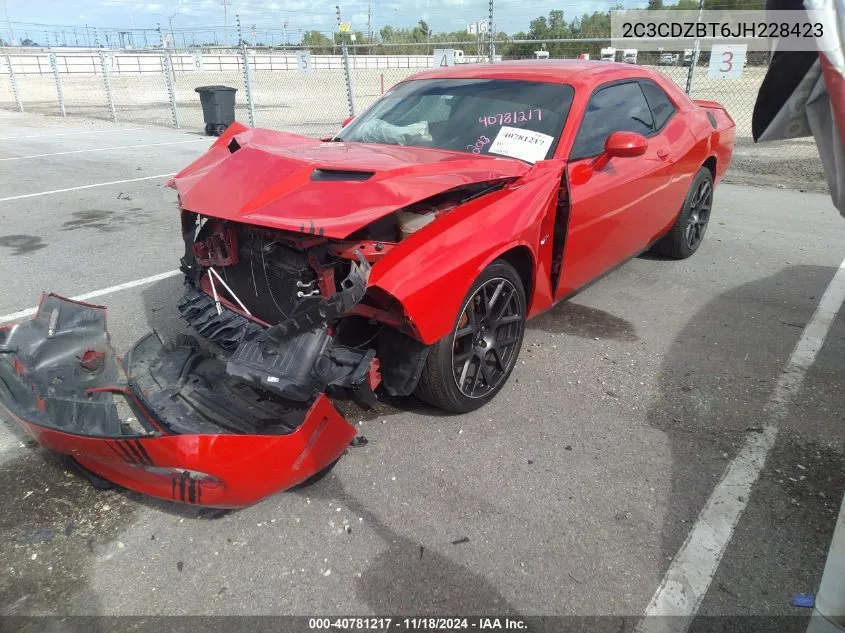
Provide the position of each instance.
(218, 107)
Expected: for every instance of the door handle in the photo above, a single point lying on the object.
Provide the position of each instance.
(662, 154)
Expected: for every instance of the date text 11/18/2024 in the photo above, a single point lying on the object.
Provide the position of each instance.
(417, 624)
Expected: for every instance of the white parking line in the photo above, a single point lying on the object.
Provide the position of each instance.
(691, 572)
(103, 149)
(20, 314)
(97, 184)
(104, 130)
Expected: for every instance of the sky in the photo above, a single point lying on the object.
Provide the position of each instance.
(33, 17)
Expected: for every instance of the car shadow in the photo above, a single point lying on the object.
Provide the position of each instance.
(713, 388)
(657, 257)
(408, 578)
(576, 319)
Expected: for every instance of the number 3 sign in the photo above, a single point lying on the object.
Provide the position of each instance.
(727, 61)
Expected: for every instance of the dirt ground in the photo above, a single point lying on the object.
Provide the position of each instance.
(793, 164)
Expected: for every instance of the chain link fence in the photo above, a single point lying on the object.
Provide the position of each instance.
(137, 87)
(311, 94)
(8, 89)
(312, 103)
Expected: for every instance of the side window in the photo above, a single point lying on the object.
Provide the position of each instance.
(661, 107)
(617, 108)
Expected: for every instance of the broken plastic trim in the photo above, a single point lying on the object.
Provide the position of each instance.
(316, 311)
(59, 370)
(207, 437)
(226, 329)
(301, 367)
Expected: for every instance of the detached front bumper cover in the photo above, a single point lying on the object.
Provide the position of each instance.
(170, 422)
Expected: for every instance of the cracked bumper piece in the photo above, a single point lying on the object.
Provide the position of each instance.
(170, 422)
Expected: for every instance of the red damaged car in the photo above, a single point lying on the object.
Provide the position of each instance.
(403, 255)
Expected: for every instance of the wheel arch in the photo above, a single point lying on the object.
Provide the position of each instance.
(710, 164)
(449, 291)
(522, 259)
(477, 334)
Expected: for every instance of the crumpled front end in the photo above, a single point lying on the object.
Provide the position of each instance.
(172, 421)
(286, 318)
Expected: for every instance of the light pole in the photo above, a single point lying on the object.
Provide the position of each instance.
(172, 34)
(9, 24)
(226, 21)
(170, 21)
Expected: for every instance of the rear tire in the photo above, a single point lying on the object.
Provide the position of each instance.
(686, 235)
(468, 367)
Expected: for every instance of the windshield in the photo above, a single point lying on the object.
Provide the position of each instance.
(520, 119)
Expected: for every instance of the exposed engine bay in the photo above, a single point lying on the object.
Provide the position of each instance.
(293, 313)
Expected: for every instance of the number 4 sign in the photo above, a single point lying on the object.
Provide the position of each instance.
(727, 61)
(444, 57)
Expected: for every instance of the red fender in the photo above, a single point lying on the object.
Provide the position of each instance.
(437, 265)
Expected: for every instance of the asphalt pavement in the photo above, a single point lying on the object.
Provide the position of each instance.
(570, 494)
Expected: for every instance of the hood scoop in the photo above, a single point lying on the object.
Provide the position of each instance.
(341, 175)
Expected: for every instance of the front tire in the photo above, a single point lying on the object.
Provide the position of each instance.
(687, 233)
(468, 367)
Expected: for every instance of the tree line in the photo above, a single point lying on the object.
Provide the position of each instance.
(420, 39)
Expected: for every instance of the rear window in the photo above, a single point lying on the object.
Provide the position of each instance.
(520, 119)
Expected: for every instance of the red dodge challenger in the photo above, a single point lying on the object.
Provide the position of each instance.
(402, 255)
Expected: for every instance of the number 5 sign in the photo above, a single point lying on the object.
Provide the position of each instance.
(727, 61)
(303, 62)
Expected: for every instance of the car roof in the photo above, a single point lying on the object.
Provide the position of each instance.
(568, 71)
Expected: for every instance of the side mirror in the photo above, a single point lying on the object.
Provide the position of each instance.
(621, 145)
(347, 121)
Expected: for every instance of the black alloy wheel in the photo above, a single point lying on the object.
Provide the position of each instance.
(699, 215)
(485, 338)
(468, 367)
(687, 233)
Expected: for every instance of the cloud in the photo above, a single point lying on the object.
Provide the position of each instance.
(207, 15)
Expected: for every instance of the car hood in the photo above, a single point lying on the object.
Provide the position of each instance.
(295, 183)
